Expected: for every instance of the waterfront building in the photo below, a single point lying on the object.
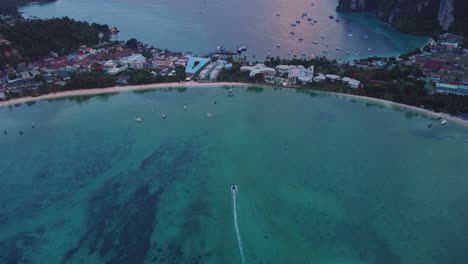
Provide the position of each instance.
(319, 78)
(258, 69)
(194, 65)
(2, 92)
(351, 82)
(333, 77)
(459, 89)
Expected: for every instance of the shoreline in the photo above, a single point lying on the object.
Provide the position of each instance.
(121, 89)
(115, 89)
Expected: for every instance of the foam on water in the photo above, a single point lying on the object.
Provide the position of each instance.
(236, 225)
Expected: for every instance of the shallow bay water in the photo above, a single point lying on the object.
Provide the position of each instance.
(321, 178)
(203, 25)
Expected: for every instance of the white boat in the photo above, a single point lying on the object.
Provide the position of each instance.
(234, 188)
(164, 116)
(278, 45)
(138, 119)
(370, 50)
(185, 108)
(443, 122)
(350, 35)
(338, 48)
(315, 42)
(209, 115)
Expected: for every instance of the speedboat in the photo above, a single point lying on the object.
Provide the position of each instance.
(164, 116)
(338, 48)
(234, 187)
(278, 45)
(443, 122)
(315, 42)
(209, 115)
(138, 119)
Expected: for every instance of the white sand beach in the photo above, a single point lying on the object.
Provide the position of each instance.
(118, 89)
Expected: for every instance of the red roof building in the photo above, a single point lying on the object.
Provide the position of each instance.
(434, 64)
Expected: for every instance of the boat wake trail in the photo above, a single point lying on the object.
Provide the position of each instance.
(236, 226)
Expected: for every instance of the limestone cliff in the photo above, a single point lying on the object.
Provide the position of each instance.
(414, 16)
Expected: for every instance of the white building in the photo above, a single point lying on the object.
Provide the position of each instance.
(351, 82)
(319, 78)
(135, 61)
(301, 73)
(333, 77)
(258, 69)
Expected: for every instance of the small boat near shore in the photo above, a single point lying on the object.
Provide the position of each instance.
(443, 122)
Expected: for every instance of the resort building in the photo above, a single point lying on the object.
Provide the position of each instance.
(300, 73)
(2, 92)
(211, 72)
(258, 69)
(459, 89)
(194, 65)
(351, 82)
(333, 77)
(319, 78)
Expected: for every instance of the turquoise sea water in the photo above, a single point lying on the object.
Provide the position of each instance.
(322, 179)
(201, 26)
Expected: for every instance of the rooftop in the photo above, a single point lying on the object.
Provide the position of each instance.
(194, 64)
